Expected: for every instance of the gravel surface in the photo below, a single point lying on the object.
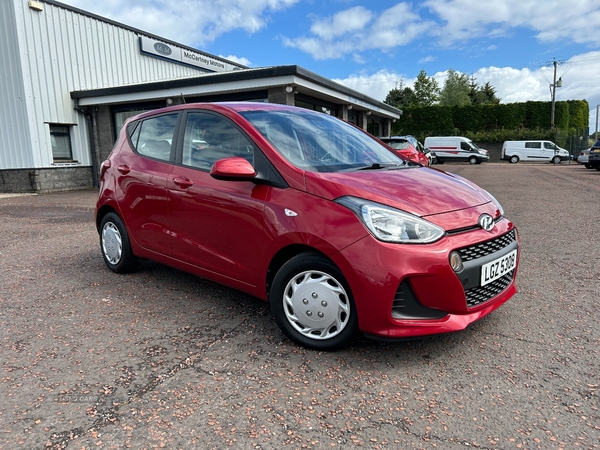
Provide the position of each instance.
(160, 358)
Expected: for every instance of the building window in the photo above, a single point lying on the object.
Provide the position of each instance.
(61, 143)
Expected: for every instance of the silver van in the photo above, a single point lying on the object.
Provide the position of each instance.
(515, 151)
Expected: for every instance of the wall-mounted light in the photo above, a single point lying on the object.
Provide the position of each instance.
(368, 113)
(169, 101)
(393, 120)
(349, 107)
(289, 89)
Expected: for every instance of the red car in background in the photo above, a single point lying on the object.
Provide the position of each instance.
(309, 213)
(407, 148)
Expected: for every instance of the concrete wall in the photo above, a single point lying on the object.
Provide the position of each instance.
(46, 179)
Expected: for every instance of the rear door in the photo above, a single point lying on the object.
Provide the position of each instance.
(144, 167)
(217, 225)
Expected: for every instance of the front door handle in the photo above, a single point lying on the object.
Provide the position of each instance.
(183, 182)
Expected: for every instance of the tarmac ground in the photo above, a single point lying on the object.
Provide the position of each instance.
(163, 359)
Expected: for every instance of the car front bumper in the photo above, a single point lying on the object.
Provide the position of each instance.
(404, 291)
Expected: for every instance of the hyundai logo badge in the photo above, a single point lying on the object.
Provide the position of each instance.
(486, 222)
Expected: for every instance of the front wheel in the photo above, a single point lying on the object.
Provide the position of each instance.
(587, 166)
(556, 160)
(115, 245)
(312, 303)
(473, 160)
(514, 159)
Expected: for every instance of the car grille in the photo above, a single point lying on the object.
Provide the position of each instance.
(480, 294)
(486, 248)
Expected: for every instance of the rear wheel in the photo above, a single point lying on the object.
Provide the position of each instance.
(587, 166)
(597, 168)
(312, 303)
(473, 160)
(514, 159)
(115, 245)
(556, 160)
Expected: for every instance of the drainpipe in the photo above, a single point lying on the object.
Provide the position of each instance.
(92, 142)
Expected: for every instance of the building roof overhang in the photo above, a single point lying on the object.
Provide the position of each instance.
(301, 80)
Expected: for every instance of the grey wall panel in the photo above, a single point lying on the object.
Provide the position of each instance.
(15, 145)
(54, 52)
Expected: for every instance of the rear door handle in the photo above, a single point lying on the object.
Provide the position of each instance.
(183, 182)
(124, 169)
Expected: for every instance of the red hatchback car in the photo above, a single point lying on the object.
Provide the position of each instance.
(404, 147)
(303, 210)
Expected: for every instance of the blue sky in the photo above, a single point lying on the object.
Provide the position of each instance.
(373, 46)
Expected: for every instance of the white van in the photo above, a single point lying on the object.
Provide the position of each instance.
(456, 148)
(515, 151)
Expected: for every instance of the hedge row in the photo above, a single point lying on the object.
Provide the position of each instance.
(493, 123)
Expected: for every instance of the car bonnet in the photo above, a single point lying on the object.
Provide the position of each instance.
(448, 200)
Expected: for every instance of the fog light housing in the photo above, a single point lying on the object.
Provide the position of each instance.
(456, 262)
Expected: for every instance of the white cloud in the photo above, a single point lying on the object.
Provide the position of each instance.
(553, 20)
(427, 59)
(195, 22)
(358, 29)
(341, 23)
(512, 85)
(238, 59)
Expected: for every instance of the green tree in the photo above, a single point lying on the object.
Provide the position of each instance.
(426, 90)
(456, 89)
(489, 92)
(400, 97)
(485, 95)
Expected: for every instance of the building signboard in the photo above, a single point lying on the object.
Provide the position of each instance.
(160, 49)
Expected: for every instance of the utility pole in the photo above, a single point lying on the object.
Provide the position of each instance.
(597, 110)
(553, 86)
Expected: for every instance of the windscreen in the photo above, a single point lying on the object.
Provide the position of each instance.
(318, 142)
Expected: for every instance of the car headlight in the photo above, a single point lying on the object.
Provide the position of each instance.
(392, 225)
(496, 202)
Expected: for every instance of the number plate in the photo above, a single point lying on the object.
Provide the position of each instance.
(498, 268)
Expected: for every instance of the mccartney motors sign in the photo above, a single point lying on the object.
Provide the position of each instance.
(167, 51)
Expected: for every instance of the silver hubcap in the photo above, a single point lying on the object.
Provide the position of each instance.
(112, 245)
(316, 305)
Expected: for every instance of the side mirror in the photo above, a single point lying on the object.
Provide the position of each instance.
(234, 169)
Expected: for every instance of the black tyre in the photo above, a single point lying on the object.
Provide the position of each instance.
(312, 303)
(597, 168)
(555, 160)
(514, 159)
(473, 160)
(587, 166)
(115, 245)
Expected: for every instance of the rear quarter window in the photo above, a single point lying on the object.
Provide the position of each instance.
(153, 137)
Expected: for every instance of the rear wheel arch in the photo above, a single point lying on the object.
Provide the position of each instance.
(103, 211)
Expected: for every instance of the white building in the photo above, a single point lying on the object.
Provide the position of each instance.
(69, 79)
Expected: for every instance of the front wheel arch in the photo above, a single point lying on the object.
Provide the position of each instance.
(312, 302)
